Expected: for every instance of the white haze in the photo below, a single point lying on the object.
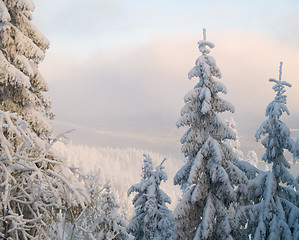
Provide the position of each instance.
(121, 168)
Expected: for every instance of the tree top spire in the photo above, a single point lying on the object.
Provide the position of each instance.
(203, 43)
(280, 71)
(279, 84)
(204, 34)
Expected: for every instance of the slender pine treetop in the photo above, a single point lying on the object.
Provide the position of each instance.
(203, 43)
(277, 133)
(203, 103)
(277, 107)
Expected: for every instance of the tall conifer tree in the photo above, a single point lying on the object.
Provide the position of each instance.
(210, 176)
(271, 199)
(35, 184)
(153, 219)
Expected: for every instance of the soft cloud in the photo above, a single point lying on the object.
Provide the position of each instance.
(75, 16)
(139, 90)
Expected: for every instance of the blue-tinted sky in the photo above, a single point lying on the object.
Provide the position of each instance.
(117, 69)
(102, 24)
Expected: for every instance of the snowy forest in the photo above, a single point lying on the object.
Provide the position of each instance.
(52, 189)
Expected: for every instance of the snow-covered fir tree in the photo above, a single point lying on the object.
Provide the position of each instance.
(153, 219)
(271, 199)
(110, 224)
(35, 184)
(277, 133)
(22, 48)
(210, 176)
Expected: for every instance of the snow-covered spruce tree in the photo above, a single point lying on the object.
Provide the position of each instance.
(210, 176)
(110, 224)
(153, 219)
(278, 134)
(22, 48)
(272, 198)
(35, 185)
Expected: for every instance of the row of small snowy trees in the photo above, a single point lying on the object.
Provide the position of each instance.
(224, 196)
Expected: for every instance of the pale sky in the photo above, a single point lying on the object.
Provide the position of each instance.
(117, 69)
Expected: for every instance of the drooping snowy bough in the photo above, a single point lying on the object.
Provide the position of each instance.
(271, 200)
(210, 176)
(34, 183)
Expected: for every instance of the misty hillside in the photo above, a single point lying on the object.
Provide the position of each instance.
(121, 167)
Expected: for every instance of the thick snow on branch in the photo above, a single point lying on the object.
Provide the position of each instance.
(269, 214)
(4, 14)
(35, 184)
(22, 49)
(20, 4)
(12, 75)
